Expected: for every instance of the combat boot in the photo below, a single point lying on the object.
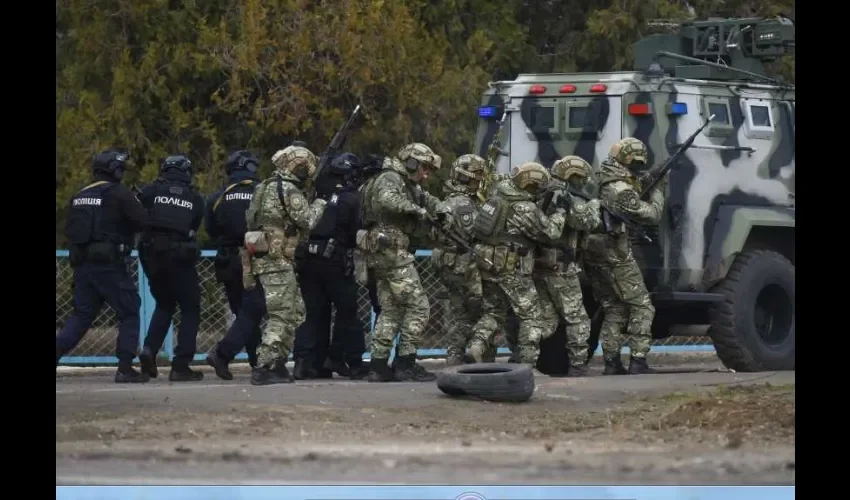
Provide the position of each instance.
(147, 362)
(219, 364)
(129, 375)
(406, 369)
(357, 370)
(380, 371)
(303, 369)
(455, 360)
(638, 366)
(577, 371)
(613, 365)
(180, 372)
(271, 374)
(337, 366)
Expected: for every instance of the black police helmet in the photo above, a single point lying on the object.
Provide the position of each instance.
(177, 162)
(241, 160)
(110, 161)
(344, 164)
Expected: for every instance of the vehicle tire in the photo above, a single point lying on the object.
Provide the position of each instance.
(499, 382)
(753, 329)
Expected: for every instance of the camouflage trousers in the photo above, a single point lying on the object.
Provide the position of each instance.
(465, 302)
(404, 311)
(561, 291)
(515, 291)
(285, 309)
(628, 312)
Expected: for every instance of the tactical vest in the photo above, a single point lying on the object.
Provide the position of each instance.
(491, 222)
(85, 218)
(369, 215)
(326, 228)
(229, 211)
(172, 210)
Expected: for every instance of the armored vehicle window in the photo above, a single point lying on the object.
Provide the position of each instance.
(720, 112)
(578, 117)
(542, 118)
(721, 124)
(760, 116)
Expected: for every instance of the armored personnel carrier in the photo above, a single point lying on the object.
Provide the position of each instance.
(722, 258)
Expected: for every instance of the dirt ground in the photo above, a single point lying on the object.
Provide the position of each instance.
(690, 424)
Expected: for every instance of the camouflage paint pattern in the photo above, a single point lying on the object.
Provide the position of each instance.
(508, 283)
(285, 309)
(733, 163)
(390, 207)
(457, 270)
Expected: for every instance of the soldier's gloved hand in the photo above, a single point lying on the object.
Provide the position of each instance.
(564, 201)
(421, 214)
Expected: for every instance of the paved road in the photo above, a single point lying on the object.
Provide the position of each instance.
(336, 431)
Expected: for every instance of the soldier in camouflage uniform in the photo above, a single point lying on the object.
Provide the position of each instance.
(279, 217)
(394, 206)
(455, 268)
(617, 281)
(508, 226)
(556, 268)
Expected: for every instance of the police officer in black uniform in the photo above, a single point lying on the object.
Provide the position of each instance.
(225, 222)
(168, 252)
(326, 277)
(102, 220)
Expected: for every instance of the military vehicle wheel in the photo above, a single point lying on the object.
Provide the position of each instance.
(753, 329)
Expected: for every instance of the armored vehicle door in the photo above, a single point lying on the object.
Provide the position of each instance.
(546, 129)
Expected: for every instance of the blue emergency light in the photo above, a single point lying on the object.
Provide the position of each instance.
(488, 111)
(677, 108)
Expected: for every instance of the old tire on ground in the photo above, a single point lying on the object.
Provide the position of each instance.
(500, 382)
(753, 329)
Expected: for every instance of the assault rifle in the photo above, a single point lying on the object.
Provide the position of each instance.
(493, 153)
(334, 148)
(608, 215)
(655, 176)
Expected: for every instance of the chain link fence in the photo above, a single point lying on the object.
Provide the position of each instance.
(98, 345)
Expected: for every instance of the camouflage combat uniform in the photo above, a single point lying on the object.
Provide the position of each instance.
(617, 281)
(455, 267)
(556, 268)
(509, 225)
(393, 208)
(282, 213)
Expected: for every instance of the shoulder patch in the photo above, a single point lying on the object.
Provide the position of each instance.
(296, 202)
(628, 199)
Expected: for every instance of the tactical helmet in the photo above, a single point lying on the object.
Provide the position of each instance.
(417, 154)
(344, 164)
(111, 161)
(241, 160)
(569, 166)
(468, 170)
(300, 144)
(530, 176)
(296, 160)
(629, 152)
(177, 162)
